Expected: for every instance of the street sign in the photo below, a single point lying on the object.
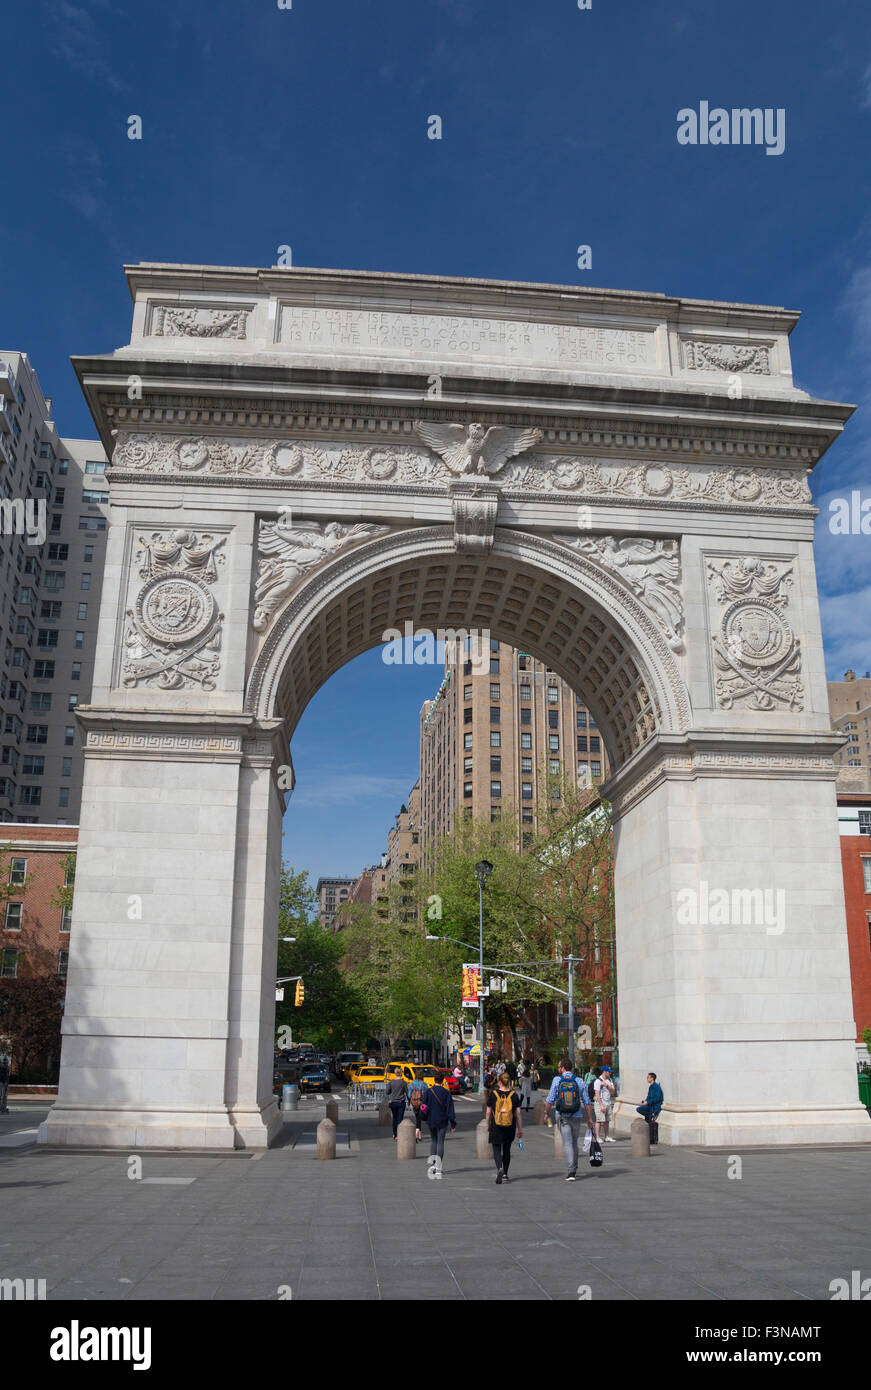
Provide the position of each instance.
(279, 994)
(471, 986)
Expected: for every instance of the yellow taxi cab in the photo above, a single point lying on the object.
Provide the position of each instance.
(362, 1076)
(412, 1072)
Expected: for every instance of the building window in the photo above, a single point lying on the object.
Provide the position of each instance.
(58, 552)
(526, 741)
(69, 736)
(553, 694)
(79, 641)
(582, 743)
(494, 666)
(86, 581)
(866, 871)
(495, 763)
(62, 962)
(595, 745)
(595, 769)
(526, 815)
(56, 523)
(63, 796)
(76, 671)
(581, 718)
(553, 742)
(467, 789)
(13, 916)
(467, 692)
(66, 917)
(37, 733)
(526, 692)
(525, 764)
(553, 719)
(72, 701)
(29, 796)
(494, 714)
(89, 554)
(467, 741)
(43, 670)
(88, 523)
(40, 699)
(526, 791)
(495, 738)
(495, 791)
(554, 767)
(66, 769)
(95, 467)
(467, 715)
(46, 637)
(865, 822)
(9, 963)
(467, 766)
(54, 581)
(33, 765)
(526, 716)
(494, 691)
(18, 871)
(92, 497)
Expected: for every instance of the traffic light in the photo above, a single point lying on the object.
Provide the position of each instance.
(300, 993)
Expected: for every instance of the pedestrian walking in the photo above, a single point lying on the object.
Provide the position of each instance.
(418, 1114)
(396, 1095)
(524, 1077)
(440, 1113)
(505, 1123)
(570, 1099)
(603, 1098)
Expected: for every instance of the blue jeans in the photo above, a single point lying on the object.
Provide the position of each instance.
(437, 1140)
(570, 1129)
(398, 1108)
(649, 1112)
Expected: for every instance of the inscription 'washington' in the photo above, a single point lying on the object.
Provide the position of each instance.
(493, 340)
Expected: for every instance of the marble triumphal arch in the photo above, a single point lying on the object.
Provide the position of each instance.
(616, 483)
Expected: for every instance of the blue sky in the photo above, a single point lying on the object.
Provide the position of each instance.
(307, 127)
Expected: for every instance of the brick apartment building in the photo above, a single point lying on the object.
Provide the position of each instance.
(854, 823)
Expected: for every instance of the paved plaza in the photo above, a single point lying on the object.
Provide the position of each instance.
(257, 1225)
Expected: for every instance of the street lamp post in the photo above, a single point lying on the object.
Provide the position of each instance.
(483, 870)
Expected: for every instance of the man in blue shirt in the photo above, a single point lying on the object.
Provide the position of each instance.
(652, 1106)
(570, 1099)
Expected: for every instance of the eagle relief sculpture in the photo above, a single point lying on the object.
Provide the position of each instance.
(474, 449)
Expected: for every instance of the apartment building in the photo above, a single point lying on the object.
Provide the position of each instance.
(850, 708)
(403, 854)
(34, 930)
(49, 598)
(854, 823)
(332, 893)
(501, 740)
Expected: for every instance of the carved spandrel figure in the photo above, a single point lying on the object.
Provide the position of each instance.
(651, 569)
(181, 551)
(289, 550)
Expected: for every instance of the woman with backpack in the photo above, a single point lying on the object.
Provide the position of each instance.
(505, 1121)
(438, 1105)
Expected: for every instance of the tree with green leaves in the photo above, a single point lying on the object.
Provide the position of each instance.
(333, 1014)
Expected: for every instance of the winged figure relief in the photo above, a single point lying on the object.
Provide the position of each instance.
(651, 569)
(287, 550)
(474, 449)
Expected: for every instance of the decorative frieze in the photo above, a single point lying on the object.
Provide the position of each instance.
(198, 321)
(650, 569)
(757, 657)
(753, 359)
(289, 551)
(159, 743)
(702, 484)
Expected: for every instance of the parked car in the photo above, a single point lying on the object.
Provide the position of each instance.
(446, 1078)
(314, 1077)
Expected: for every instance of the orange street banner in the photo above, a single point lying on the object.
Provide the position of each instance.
(471, 986)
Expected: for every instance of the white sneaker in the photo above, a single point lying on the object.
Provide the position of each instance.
(609, 1140)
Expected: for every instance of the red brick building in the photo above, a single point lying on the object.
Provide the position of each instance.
(34, 932)
(854, 823)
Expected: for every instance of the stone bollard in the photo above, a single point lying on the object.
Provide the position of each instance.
(384, 1115)
(482, 1140)
(326, 1139)
(332, 1112)
(406, 1145)
(640, 1135)
(538, 1113)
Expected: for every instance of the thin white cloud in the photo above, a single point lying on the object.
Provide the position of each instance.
(76, 40)
(341, 788)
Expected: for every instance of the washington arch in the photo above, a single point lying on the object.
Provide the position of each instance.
(614, 482)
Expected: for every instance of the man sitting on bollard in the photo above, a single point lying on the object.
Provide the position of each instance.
(571, 1100)
(653, 1104)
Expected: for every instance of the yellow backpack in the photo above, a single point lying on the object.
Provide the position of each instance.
(504, 1111)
